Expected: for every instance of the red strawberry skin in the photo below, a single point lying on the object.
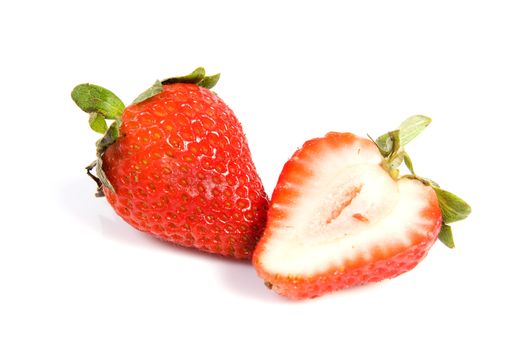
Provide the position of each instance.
(385, 260)
(182, 171)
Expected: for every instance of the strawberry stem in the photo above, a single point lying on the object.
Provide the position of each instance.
(89, 168)
(391, 146)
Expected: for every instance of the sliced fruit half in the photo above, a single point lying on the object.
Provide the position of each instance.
(341, 215)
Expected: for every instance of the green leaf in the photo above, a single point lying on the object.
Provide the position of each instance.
(155, 89)
(209, 82)
(412, 127)
(194, 77)
(89, 168)
(388, 143)
(97, 122)
(382, 148)
(452, 207)
(102, 176)
(384, 144)
(101, 104)
(429, 182)
(96, 99)
(108, 139)
(408, 163)
(445, 236)
(396, 160)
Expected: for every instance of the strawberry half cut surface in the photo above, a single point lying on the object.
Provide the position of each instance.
(341, 215)
(176, 164)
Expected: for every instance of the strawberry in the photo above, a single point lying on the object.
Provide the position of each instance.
(176, 164)
(341, 215)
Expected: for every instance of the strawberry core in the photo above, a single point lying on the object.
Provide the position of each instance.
(349, 197)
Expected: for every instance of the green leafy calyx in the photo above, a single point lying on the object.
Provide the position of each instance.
(452, 207)
(392, 147)
(445, 236)
(412, 127)
(101, 105)
(155, 89)
(97, 100)
(197, 77)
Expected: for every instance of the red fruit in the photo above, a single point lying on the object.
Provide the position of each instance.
(341, 216)
(181, 170)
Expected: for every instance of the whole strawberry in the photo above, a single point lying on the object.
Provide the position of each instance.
(176, 164)
(341, 215)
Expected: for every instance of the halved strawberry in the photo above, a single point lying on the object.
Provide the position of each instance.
(341, 215)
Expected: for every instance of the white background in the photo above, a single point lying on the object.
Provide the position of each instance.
(74, 276)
